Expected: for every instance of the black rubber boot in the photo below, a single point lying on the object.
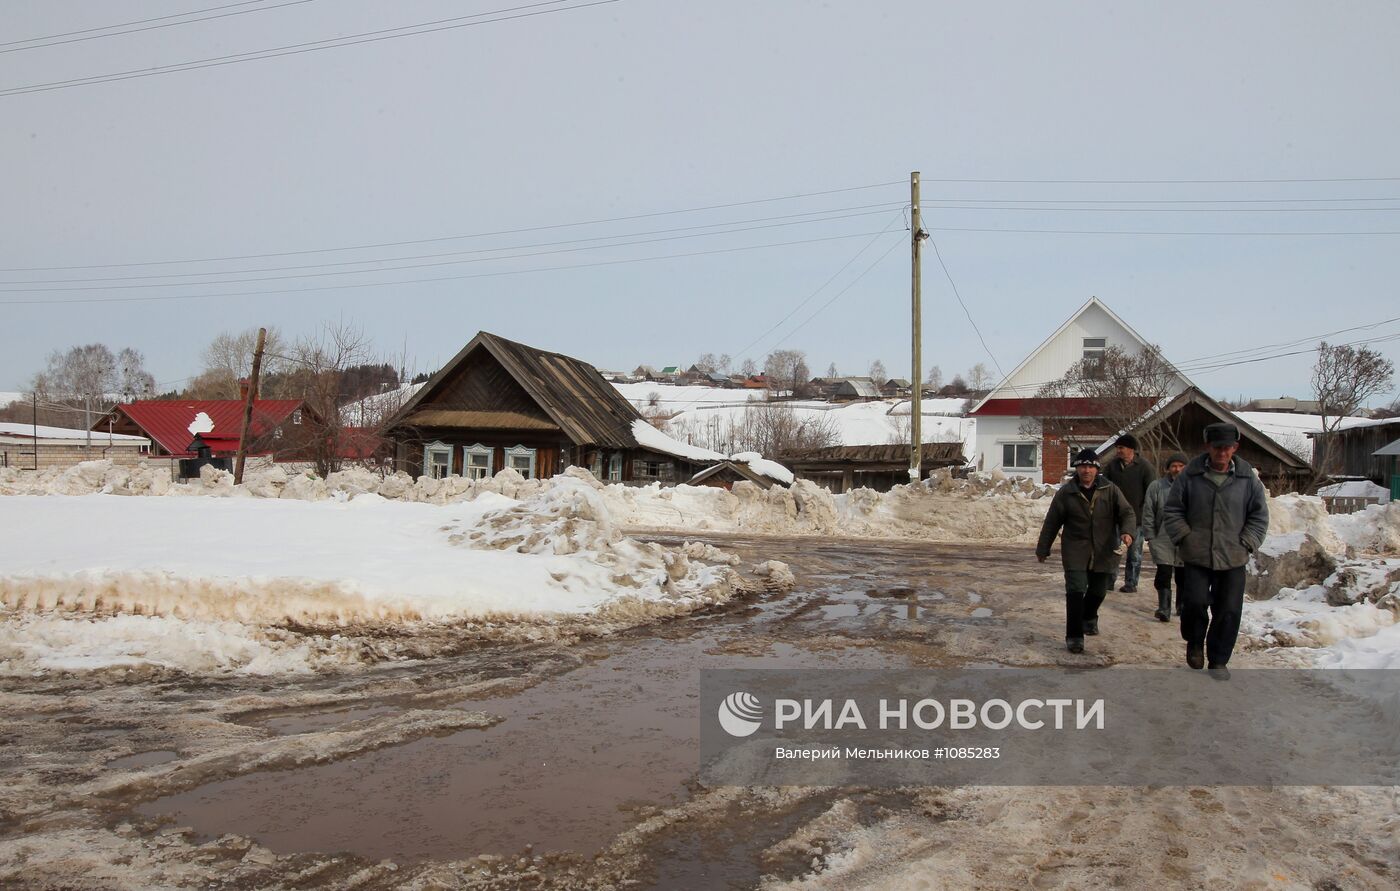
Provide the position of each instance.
(1091, 626)
(1196, 655)
(1074, 644)
(1164, 604)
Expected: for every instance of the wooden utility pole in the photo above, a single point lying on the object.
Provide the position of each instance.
(916, 417)
(35, 397)
(248, 408)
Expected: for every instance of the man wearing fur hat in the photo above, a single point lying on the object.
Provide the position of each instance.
(1095, 518)
(1133, 476)
(1217, 515)
(1163, 551)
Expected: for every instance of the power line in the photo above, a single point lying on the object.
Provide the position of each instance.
(948, 275)
(854, 257)
(1148, 232)
(388, 244)
(1169, 182)
(158, 18)
(312, 46)
(443, 278)
(939, 206)
(839, 294)
(1160, 200)
(408, 266)
(91, 36)
(831, 214)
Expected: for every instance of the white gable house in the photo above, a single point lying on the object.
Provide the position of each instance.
(1003, 412)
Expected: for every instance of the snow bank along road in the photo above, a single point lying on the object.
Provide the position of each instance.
(398, 735)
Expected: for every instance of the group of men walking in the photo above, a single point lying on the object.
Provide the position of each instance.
(1202, 519)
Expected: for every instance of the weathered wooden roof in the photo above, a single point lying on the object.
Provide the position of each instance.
(481, 420)
(934, 454)
(742, 471)
(586, 408)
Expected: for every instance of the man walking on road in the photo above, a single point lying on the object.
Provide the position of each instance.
(1163, 551)
(1095, 518)
(1217, 515)
(1132, 475)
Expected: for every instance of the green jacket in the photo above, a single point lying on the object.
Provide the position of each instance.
(1217, 527)
(1091, 525)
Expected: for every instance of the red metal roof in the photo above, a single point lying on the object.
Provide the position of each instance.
(167, 421)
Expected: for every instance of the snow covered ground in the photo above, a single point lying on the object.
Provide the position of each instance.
(649, 396)
(214, 583)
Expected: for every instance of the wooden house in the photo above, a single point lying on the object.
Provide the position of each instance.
(500, 404)
(878, 467)
(1354, 450)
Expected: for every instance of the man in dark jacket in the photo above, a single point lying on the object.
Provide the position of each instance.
(1217, 514)
(1133, 476)
(1163, 551)
(1095, 518)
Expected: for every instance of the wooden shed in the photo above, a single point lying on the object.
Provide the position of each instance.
(878, 467)
(1354, 450)
(500, 404)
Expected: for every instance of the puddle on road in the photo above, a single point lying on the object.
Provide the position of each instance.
(576, 756)
(143, 759)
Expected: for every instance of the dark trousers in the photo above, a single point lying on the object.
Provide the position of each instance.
(1084, 594)
(1221, 592)
(1163, 583)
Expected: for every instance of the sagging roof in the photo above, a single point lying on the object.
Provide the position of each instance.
(585, 407)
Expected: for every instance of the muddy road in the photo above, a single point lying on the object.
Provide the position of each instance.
(572, 763)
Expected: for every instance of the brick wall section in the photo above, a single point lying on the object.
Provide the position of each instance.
(1054, 459)
(22, 457)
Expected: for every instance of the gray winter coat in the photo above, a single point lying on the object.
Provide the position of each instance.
(1153, 524)
(1217, 528)
(1091, 526)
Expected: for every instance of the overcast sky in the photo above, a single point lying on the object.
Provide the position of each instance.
(649, 107)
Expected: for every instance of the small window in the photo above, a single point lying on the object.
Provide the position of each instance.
(1094, 350)
(1019, 456)
(596, 465)
(522, 460)
(437, 460)
(296, 416)
(478, 462)
(615, 468)
(651, 470)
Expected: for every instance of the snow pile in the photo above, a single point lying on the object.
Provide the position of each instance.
(764, 467)
(227, 575)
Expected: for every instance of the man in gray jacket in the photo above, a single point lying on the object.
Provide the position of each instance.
(1095, 517)
(1217, 515)
(1163, 550)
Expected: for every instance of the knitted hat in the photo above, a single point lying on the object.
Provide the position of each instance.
(1127, 440)
(1086, 456)
(1176, 457)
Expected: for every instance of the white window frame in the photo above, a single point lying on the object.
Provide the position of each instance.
(520, 451)
(615, 468)
(470, 470)
(436, 448)
(1015, 444)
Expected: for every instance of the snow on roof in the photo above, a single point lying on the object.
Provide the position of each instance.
(1292, 431)
(27, 430)
(1356, 489)
(648, 437)
(761, 465)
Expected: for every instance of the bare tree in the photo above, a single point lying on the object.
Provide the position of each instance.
(1108, 394)
(707, 363)
(831, 371)
(228, 359)
(318, 367)
(956, 387)
(935, 378)
(749, 368)
(787, 370)
(878, 376)
(88, 379)
(772, 429)
(1343, 379)
(725, 362)
(979, 378)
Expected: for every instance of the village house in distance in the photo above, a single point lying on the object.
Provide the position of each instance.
(499, 404)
